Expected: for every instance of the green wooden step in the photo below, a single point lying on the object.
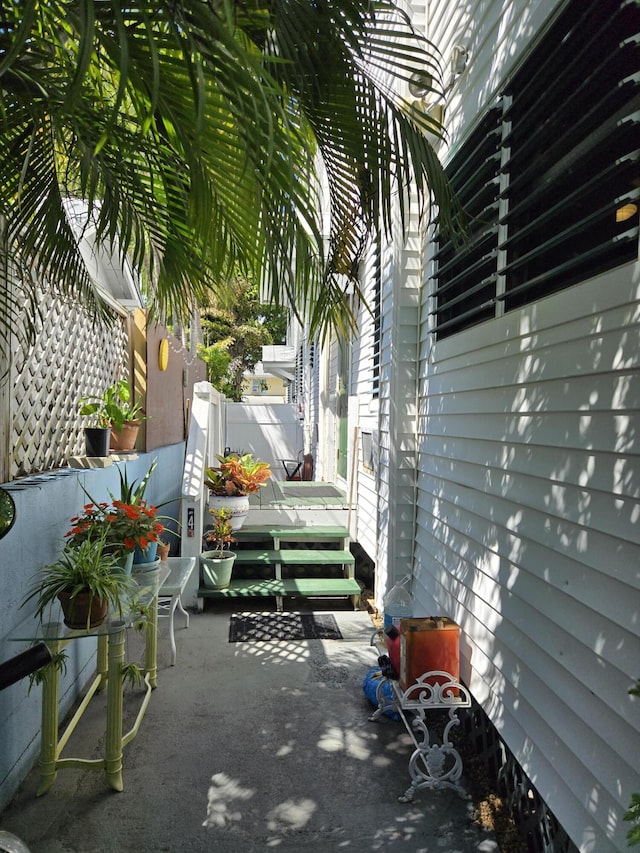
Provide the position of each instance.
(239, 588)
(293, 533)
(315, 557)
(244, 588)
(294, 557)
(321, 586)
(259, 557)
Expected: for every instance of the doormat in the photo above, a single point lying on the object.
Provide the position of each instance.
(261, 627)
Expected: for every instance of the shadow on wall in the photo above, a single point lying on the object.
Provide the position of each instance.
(527, 529)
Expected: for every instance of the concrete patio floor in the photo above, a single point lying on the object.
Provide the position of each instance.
(248, 747)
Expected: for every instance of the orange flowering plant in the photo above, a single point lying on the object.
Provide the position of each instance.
(125, 525)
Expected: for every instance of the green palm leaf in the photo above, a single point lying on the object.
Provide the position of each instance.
(194, 131)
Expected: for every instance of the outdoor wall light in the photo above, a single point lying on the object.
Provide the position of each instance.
(422, 88)
(421, 85)
(459, 59)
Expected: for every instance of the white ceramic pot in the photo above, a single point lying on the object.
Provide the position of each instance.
(238, 506)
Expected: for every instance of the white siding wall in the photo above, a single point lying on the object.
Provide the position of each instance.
(401, 277)
(529, 499)
(365, 530)
(327, 448)
(496, 33)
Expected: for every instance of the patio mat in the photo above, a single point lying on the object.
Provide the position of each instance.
(257, 627)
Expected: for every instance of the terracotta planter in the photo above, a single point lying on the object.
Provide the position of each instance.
(124, 440)
(82, 609)
(163, 550)
(217, 569)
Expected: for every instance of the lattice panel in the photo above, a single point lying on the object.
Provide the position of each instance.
(534, 820)
(71, 358)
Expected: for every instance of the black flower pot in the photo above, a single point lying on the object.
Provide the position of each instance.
(96, 441)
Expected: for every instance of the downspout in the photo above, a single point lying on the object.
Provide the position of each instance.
(421, 274)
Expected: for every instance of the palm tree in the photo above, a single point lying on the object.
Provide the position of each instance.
(206, 136)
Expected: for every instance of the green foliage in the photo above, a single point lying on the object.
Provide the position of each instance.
(221, 530)
(131, 493)
(141, 614)
(58, 660)
(193, 132)
(86, 567)
(234, 330)
(7, 511)
(114, 407)
(133, 673)
(217, 359)
(633, 814)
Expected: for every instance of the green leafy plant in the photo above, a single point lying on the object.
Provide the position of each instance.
(133, 673)
(237, 475)
(7, 511)
(58, 660)
(140, 614)
(132, 492)
(114, 408)
(633, 812)
(122, 525)
(220, 533)
(89, 568)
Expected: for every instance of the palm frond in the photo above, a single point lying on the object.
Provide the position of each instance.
(193, 130)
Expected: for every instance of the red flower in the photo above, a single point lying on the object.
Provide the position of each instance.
(127, 525)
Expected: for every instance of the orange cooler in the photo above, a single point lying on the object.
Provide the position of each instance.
(428, 644)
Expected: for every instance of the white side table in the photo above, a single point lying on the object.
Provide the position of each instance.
(170, 595)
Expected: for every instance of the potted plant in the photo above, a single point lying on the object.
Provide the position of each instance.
(97, 436)
(217, 563)
(133, 495)
(115, 410)
(232, 481)
(86, 581)
(164, 548)
(129, 529)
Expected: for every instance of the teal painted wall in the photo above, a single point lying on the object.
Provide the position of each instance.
(44, 506)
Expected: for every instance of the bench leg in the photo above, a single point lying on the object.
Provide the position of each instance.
(183, 611)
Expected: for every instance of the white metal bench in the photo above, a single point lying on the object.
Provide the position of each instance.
(169, 597)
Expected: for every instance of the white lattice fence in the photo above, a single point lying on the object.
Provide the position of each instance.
(71, 358)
